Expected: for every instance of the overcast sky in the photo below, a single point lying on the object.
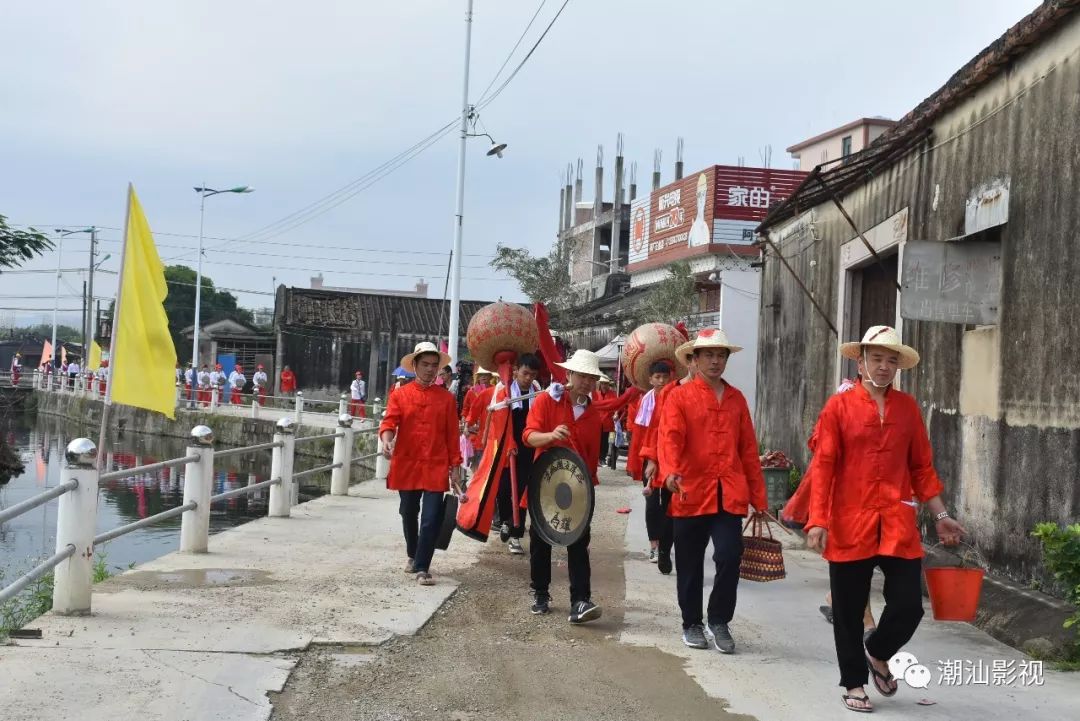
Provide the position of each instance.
(299, 100)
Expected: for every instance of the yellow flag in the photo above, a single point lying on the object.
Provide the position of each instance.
(143, 357)
(95, 356)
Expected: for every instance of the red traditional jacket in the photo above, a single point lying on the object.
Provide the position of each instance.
(710, 444)
(866, 469)
(426, 448)
(546, 414)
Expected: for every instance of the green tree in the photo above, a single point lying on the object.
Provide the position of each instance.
(64, 333)
(19, 246)
(671, 300)
(180, 305)
(543, 279)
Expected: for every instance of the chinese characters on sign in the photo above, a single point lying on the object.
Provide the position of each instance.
(756, 197)
(952, 282)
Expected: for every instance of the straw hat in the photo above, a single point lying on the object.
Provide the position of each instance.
(408, 362)
(706, 338)
(481, 371)
(585, 362)
(885, 337)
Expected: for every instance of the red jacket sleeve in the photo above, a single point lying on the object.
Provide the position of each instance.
(612, 405)
(451, 431)
(751, 462)
(826, 458)
(671, 437)
(924, 479)
(538, 419)
(392, 416)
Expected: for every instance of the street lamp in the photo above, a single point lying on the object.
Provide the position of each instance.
(468, 114)
(204, 193)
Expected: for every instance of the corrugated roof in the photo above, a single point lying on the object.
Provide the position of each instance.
(915, 127)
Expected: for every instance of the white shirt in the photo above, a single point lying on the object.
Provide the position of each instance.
(103, 373)
(358, 389)
(188, 374)
(237, 380)
(73, 368)
(259, 379)
(204, 378)
(216, 377)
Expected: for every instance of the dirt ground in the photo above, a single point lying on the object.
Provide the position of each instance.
(484, 656)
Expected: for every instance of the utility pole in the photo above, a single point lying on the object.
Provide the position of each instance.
(84, 305)
(455, 283)
(88, 332)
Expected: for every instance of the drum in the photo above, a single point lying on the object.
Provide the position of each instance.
(648, 344)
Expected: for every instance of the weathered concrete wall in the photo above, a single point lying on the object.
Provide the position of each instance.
(229, 431)
(1006, 435)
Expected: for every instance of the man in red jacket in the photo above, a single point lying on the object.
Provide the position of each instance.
(420, 432)
(709, 452)
(566, 417)
(873, 455)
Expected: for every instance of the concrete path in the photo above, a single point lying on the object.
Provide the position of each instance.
(197, 637)
(785, 666)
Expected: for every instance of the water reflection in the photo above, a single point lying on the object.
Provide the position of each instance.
(40, 443)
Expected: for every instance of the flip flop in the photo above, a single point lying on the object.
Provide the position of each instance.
(847, 697)
(623, 510)
(881, 681)
(826, 611)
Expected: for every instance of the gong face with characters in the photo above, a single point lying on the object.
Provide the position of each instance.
(561, 496)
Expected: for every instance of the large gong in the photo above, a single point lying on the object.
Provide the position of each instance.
(561, 496)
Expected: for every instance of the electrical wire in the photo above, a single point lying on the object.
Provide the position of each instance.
(292, 245)
(524, 60)
(342, 272)
(513, 50)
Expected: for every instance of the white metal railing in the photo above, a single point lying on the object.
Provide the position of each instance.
(77, 512)
(215, 401)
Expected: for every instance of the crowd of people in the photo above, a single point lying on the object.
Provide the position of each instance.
(694, 449)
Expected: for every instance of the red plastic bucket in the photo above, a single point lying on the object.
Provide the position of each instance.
(954, 592)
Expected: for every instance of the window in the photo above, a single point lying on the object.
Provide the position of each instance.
(845, 146)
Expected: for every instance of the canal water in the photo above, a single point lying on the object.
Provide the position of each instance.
(40, 442)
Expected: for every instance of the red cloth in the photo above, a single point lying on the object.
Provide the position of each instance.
(356, 408)
(634, 465)
(867, 469)
(650, 445)
(426, 448)
(709, 443)
(288, 381)
(548, 351)
(476, 414)
(608, 424)
(546, 414)
(262, 395)
(234, 397)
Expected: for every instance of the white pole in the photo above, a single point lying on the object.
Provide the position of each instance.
(455, 283)
(198, 483)
(76, 523)
(198, 280)
(56, 300)
(343, 405)
(213, 399)
(299, 407)
(280, 494)
(343, 445)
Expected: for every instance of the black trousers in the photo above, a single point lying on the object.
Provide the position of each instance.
(604, 438)
(658, 524)
(421, 527)
(577, 561)
(505, 503)
(850, 585)
(692, 535)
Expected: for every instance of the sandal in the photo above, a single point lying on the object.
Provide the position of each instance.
(881, 680)
(848, 698)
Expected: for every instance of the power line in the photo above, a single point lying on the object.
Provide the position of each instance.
(218, 287)
(293, 245)
(524, 60)
(334, 270)
(512, 51)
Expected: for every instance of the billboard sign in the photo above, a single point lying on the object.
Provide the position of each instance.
(704, 213)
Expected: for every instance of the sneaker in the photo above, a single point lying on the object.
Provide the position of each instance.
(515, 547)
(721, 638)
(410, 567)
(424, 578)
(496, 523)
(583, 612)
(504, 533)
(541, 606)
(663, 563)
(694, 637)
(652, 555)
